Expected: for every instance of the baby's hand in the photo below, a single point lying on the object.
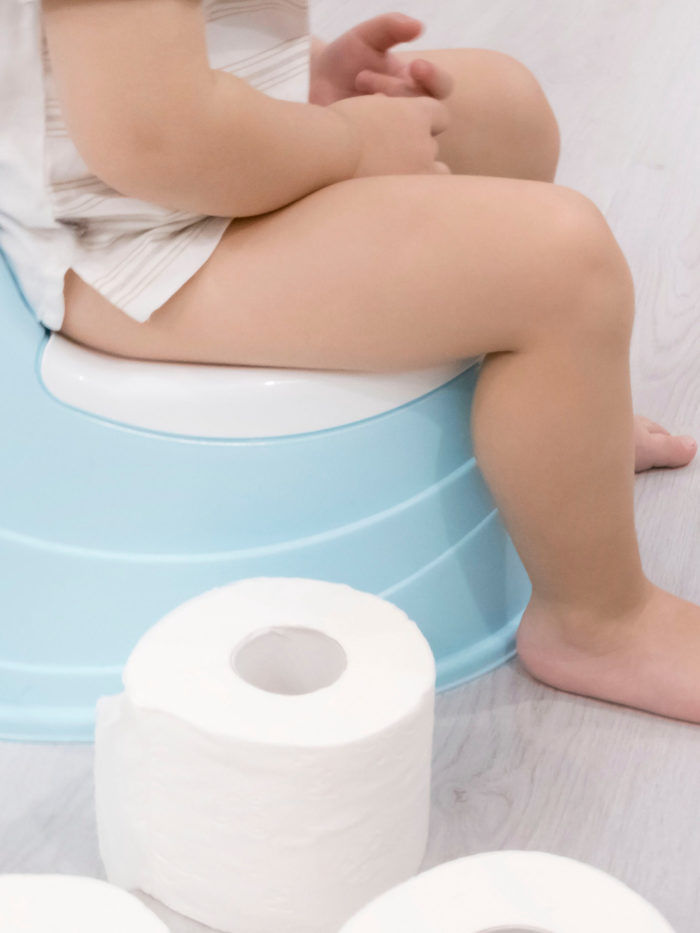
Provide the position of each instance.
(654, 446)
(359, 63)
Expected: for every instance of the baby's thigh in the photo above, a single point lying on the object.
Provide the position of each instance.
(379, 273)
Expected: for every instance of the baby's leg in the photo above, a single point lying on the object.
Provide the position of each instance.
(502, 124)
(405, 271)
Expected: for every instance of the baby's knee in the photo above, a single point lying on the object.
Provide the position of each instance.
(525, 111)
(595, 290)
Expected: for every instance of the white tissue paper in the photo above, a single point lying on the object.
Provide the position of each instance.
(71, 904)
(510, 892)
(267, 767)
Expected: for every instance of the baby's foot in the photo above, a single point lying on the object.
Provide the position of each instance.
(655, 447)
(648, 659)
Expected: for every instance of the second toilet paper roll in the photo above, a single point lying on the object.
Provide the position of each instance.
(267, 768)
(510, 892)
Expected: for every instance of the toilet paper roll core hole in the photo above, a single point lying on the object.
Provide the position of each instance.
(289, 660)
(512, 929)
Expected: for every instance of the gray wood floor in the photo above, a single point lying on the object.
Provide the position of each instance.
(518, 765)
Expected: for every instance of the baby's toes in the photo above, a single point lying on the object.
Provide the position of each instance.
(663, 450)
(652, 426)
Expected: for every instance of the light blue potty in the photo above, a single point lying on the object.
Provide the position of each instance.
(148, 483)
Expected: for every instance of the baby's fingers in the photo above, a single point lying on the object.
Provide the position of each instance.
(426, 80)
(436, 82)
(371, 82)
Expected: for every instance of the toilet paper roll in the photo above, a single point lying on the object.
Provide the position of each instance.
(510, 892)
(70, 904)
(267, 768)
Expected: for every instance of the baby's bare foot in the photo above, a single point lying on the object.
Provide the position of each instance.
(655, 447)
(648, 659)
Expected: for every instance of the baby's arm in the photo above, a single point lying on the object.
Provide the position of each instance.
(153, 120)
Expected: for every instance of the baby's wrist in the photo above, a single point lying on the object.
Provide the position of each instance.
(353, 140)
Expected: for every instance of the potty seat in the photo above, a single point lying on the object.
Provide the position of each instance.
(129, 487)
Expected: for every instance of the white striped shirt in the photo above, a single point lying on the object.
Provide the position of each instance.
(55, 214)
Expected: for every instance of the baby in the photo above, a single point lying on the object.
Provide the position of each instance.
(403, 215)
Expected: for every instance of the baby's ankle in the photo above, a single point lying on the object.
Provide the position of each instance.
(595, 628)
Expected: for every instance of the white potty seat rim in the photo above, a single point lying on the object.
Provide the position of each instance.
(197, 400)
